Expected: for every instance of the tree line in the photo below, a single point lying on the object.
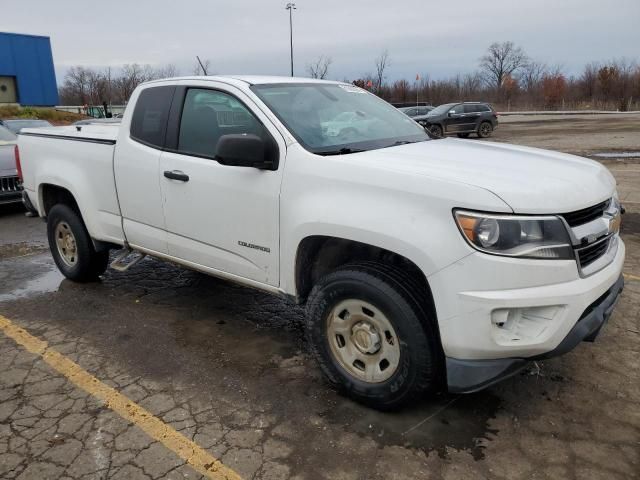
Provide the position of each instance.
(510, 79)
(505, 76)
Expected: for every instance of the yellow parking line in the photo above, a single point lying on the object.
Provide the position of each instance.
(628, 276)
(191, 453)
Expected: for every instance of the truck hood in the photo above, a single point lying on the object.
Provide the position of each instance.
(529, 180)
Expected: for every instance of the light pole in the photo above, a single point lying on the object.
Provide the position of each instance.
(291, 7)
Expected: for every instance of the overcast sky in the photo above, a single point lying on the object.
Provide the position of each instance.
(252, 36)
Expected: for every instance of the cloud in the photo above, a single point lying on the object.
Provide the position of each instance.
(252, 36)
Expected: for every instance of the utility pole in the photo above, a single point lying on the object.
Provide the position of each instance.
(291, 7)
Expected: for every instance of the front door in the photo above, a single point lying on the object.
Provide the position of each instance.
(455, 120)
(221, 217)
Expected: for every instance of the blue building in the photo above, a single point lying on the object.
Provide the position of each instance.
(27, 76)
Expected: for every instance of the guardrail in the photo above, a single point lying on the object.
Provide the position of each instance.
(570, 112)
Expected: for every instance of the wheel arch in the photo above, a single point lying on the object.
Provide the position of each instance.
(318, 255)
(50, 194)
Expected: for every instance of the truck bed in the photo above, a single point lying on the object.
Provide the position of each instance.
(106, 133)
(59, 156)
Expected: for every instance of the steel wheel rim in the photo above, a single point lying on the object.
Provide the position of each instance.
(363, 341)
(66, 244)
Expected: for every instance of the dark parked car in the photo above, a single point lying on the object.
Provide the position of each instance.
(462, 119)
(17, 124)
(418, 113)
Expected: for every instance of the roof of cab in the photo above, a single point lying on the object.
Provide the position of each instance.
(250, 79)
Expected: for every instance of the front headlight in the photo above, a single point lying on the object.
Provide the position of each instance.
(516, 236)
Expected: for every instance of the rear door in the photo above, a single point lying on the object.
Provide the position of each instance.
(136, 167)
(221, 217)
(472, 114)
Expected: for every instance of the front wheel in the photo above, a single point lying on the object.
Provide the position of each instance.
(485, 129)
(71, 246)
(372, 336)
(436, 131)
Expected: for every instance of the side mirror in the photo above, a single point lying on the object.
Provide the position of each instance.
(244, 150)
(451, 114)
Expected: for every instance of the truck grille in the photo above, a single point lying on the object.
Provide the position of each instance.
(588, 255)
(586, 215)
(9, 184)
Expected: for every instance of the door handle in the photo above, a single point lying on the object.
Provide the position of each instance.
(176, 175)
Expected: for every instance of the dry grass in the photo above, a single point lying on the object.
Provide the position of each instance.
(56, 117)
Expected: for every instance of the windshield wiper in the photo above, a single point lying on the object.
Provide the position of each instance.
(342, 151)
(402, 142)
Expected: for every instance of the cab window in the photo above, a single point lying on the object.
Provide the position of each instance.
(209, 114)
(149, 121)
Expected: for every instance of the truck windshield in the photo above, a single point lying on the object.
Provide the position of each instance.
(333, 119)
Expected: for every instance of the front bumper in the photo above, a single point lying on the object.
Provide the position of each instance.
(495, 314)
(10, 197)
(465, 376)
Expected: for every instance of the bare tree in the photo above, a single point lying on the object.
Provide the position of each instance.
(532, 74)
(167, 71)
(502, 60)
(554, 88)
(131, 76)
(319, 68)
(382, 62)
(589, 80)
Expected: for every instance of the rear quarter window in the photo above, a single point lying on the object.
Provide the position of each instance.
(149, 121)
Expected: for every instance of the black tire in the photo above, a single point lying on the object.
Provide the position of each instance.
(485, 129)
(389, 290)
(436, 131)
(463, 135)
(88, 264)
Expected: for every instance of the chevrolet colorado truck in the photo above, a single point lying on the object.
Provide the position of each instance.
(423, 263)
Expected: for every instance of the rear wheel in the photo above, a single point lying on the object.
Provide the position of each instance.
(485, 129)
(71, 246)
(372, 336)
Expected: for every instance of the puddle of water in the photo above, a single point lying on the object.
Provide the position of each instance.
(45, 283)
(458, 422)
(617, 155)
(20, 249)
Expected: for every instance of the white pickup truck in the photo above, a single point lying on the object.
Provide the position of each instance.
(422, 262)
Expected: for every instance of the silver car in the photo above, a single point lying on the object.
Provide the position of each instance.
(418, 113)
(17, 124)
(10, 190)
